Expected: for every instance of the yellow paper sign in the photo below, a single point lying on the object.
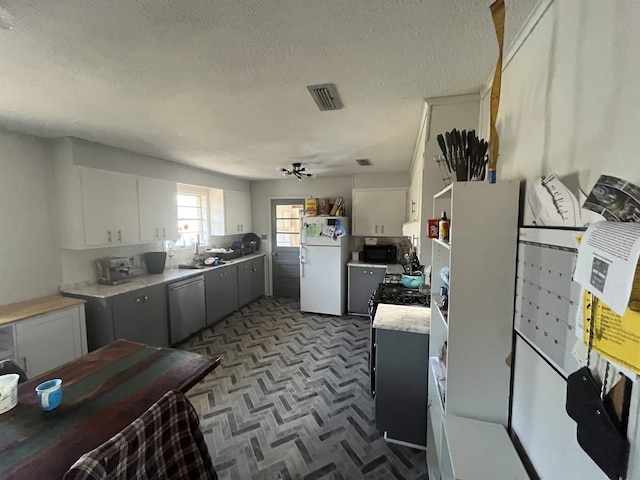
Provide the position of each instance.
(615, 337)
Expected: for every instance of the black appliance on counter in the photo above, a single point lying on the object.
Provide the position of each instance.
(380, 253)
(393, 292)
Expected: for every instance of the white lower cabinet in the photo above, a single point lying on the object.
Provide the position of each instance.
(49, 340)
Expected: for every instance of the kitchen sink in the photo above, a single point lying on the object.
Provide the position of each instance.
(192, 266)
(198, 266)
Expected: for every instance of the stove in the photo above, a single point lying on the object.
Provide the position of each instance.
(391, 291)
(398, 295)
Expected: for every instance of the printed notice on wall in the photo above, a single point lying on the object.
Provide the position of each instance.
(607, 261)
(617, 337)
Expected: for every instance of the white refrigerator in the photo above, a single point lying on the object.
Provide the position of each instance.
(324, 253)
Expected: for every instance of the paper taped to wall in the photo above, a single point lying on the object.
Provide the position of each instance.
(607, 262)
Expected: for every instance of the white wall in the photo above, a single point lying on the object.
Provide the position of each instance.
(570, 95)
(29, 261)
(381, 180)
(95, 155)
(570, 104)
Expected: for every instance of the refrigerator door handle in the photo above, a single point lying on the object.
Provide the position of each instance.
(301, 261)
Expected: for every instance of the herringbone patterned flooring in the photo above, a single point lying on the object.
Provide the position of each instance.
(291, 398)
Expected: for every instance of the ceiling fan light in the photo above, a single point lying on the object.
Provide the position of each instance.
(297, 171)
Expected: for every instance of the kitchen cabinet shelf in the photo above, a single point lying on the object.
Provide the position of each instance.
(157, 200)
(442, 243)
(362, 282)
(140, 316)
(229, 211)
(379, 212)
(476, 327)
(445, 192)
(437, 369)
(221, 287)
(436, 301)
(44, 341)
(250, 280)
(103, 208)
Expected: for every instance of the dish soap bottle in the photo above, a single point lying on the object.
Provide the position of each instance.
(443, 228)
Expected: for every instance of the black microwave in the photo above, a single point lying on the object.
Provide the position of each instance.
(380, 253)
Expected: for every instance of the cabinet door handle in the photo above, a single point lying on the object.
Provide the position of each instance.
(413, 204)
(109, 236)
(157, 233)
(146, 298)
(164, 233)
(364, 272)
(382, 228)
(24, 362)
(120, 235)
(376, 228)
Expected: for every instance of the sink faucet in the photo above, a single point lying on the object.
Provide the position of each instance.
(195, 246)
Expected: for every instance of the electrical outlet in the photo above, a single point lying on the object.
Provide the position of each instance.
(263, 236)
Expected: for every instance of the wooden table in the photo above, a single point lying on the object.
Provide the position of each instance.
(103, 392)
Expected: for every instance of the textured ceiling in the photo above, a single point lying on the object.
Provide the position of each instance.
(221, 84)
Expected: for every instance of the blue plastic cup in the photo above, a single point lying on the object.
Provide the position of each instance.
(50, 394)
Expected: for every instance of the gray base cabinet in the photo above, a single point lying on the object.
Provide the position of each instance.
(402, 360)
(250, 280)
(139, 316)
(221, 293)
(362, 282)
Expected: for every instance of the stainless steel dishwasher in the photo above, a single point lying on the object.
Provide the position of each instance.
(187, 313)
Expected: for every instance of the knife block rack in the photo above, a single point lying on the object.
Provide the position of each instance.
(444, 170)
(448, 176)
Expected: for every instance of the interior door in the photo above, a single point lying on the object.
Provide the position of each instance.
(285, 247)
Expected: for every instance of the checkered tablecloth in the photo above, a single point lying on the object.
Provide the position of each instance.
(165, 442)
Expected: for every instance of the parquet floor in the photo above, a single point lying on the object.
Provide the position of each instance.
(291, 398)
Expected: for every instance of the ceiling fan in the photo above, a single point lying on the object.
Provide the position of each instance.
(297, 170)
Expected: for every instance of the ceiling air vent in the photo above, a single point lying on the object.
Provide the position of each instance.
(363, 162)
(325, 96)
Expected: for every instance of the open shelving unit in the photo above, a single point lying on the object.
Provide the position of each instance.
(469, 383)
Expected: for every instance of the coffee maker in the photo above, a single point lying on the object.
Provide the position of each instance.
(113, 270)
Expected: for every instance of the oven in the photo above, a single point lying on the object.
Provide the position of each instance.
(391, 291)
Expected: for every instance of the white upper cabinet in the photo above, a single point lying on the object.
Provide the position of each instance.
(230, 212)
(379, 212)
(110, 203)
(157, 201)
(101, 208)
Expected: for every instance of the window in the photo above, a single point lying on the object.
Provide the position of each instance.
(192, 216)
(288, 225)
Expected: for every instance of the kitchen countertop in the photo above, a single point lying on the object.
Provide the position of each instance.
(390, 267)
(98, 290)
(36, 306)
(405, 318)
